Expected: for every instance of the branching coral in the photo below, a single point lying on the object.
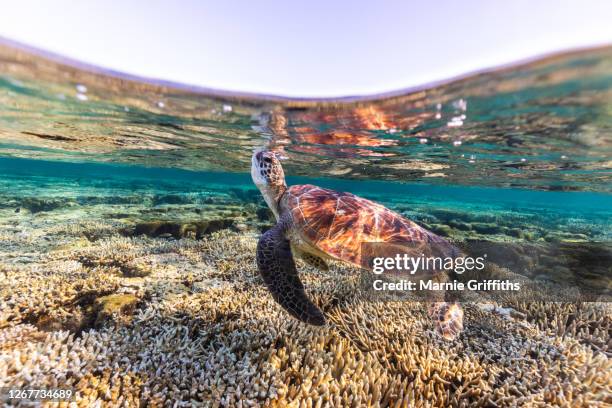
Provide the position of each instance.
(201, 329)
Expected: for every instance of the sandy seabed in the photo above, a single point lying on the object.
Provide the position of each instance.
(144, 320)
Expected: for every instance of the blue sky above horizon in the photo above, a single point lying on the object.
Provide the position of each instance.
(309, 49)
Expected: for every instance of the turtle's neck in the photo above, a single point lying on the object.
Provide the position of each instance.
(272, 194)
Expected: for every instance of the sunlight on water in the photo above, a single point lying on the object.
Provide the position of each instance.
(544, 125)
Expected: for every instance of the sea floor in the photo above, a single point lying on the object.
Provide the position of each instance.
(169, 310)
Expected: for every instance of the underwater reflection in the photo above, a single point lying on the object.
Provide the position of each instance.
(341, 133)
(542, 125)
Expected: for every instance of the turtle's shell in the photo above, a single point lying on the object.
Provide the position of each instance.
(339, 223)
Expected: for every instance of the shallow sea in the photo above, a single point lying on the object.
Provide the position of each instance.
(91, 162)
(526, 148)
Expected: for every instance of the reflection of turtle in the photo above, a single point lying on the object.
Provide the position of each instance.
(315, 223)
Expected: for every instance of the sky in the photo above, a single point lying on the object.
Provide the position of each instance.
(305, 48)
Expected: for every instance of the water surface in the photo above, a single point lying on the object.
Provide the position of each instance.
(545, 125)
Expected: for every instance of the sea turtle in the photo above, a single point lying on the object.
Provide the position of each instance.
(314, 224)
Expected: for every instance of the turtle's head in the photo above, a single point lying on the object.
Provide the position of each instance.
(268, 176)
(266, 169)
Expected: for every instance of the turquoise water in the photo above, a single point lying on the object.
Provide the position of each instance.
(586, 213)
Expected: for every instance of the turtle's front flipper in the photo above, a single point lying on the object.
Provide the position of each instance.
(276, 266)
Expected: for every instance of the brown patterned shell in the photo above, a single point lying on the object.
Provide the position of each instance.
(339, 223)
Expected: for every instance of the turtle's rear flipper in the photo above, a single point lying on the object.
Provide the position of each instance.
(277, 268)
(448, 319)
(311, 259)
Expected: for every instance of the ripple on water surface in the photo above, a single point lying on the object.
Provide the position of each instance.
(542, 125)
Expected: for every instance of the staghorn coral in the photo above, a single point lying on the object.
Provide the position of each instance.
(202, 330)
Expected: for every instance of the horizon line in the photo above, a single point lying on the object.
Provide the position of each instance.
(270, 97)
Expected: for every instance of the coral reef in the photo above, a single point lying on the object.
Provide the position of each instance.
(139, 297)
(108, 308)
(199, 328)
(196, 229)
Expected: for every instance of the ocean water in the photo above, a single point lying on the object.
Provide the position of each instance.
(586, 215)
(118, 192)
(529, 147)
